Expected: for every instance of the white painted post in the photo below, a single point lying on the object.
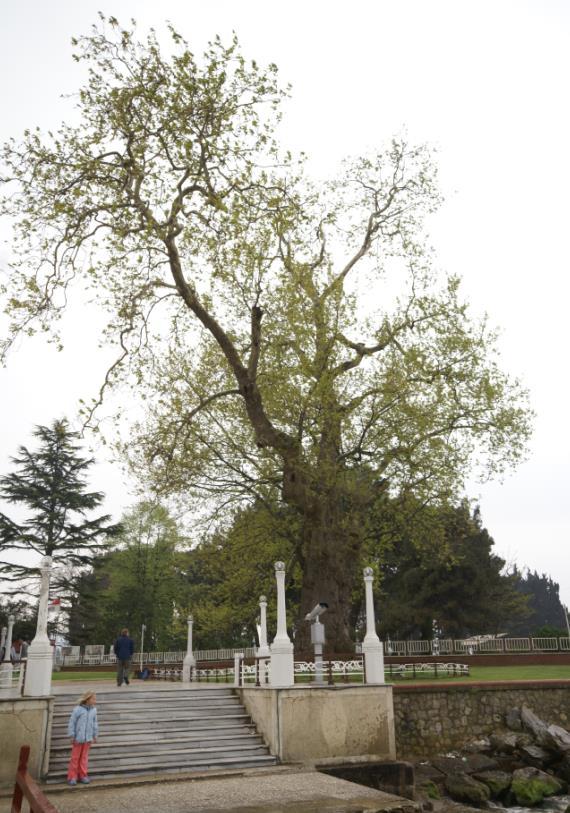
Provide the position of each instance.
(40, 651)
(6, 665)
(282, 672)
(143, 628)
(567, 622)
(238, 658)
(189, 662)
(263, 650)
(372, 645)
(3, 634)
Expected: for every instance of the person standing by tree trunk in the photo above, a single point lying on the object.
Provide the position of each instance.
(123, 648)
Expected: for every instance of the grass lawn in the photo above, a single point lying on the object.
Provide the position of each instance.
(484, 673)
(477, 673)
(84, 676)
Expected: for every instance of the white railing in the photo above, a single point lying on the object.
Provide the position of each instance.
(154, 657)
(422, 670)
(12, 680)
(332, 670)
(447, 646)
(492, 645)
(544, 644)
(395, 648)
(419, 647)
(517, 644)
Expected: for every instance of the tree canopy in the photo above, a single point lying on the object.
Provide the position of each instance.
(291, 340)
(138, 582)
(546, 608)
(454, 589)
(50, 481)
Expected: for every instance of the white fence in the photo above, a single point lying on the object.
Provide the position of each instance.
(12, 680)
(412, 670)
(154, 657)
(475, 646)
(258, 673)
(435, 647)
(334, 671)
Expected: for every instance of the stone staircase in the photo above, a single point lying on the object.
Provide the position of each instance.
(161, 730)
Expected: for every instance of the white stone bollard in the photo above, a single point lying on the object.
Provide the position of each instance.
(263, 650)
(189, 663)
(238, 658)
(372, 645)
(281, 671)
(40, 651)
(6, 665)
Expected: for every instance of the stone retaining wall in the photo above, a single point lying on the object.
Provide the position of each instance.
(435, 719)
(325, 724)
(23, 721)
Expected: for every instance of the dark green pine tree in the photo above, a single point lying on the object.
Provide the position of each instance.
(51, 483)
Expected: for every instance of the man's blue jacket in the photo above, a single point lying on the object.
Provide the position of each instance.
(124, 648)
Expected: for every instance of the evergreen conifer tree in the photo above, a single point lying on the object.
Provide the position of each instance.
(50, 481)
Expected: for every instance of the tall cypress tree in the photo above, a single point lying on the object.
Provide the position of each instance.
(51, 482)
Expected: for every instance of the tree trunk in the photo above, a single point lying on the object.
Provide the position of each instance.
(331, 547)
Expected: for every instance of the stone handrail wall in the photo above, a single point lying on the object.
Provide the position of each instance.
(435, 719)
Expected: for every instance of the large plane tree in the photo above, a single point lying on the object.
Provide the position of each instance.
(290, 339)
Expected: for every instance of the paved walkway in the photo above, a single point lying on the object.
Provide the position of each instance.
(276, 791)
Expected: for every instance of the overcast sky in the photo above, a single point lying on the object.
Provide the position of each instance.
(484, 82)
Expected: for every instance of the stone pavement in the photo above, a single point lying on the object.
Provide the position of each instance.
(263, 791)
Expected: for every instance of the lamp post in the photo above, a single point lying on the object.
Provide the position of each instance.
(372, 645)
(189, 662)
(40, 654)
(282, 672)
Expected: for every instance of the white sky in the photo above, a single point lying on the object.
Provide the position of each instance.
(485, 81)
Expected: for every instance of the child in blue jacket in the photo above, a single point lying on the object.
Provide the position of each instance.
(83, 729)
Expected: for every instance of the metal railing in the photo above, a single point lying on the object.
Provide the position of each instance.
(517, 644)
(435, 647)
(339, 670)
(422, 670)
(153, 657)
(12, 680)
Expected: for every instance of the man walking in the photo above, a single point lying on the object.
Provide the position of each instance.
(123, 648)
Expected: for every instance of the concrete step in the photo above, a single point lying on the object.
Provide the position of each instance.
(161, 721)
(153, 694)
(160, 702)
(170, 699)
(124, 745)
(229, 764)
(159, 714)
(162, 730)
(128, 693)
(186, 721)
(130, 759)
